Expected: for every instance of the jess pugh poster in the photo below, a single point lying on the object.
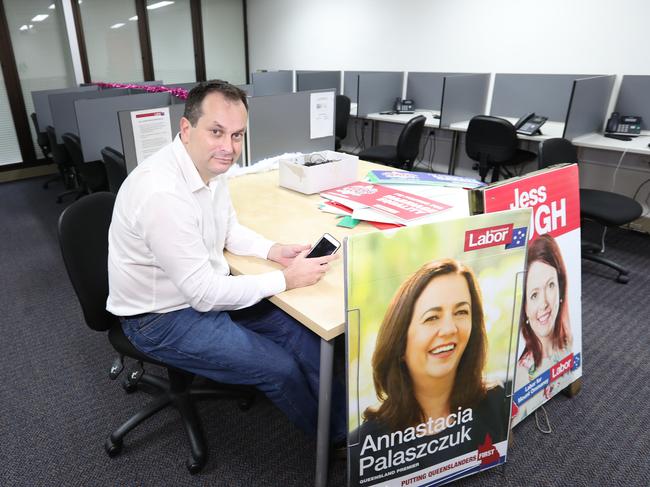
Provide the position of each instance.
(549, 357)
(431, 333)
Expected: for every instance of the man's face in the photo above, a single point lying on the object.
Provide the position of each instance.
(216, 142)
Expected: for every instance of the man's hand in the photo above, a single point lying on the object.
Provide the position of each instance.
(285, 254)
(305, 272)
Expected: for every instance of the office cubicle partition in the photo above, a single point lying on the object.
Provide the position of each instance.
(281, 123)
(98, 121)
(588, 106)
(42, 102)
(463, 97)
(64, 118)
(425, 89)
(126, 132)
(548, 95)
(318, 80)
(377, 91)
(634, 98)
(272, 82)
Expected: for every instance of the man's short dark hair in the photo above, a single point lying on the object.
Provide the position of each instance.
(199, 92)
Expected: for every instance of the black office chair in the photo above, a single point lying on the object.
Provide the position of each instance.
(44, 143)
(83, 237)
(115, 168)
(64, 163)
(492, 142)
(606, 208)
(403, 154)
(342, 118)
(91, 176)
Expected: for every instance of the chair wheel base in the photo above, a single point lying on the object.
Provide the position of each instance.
(194, 466)
(623, 279)
(113, 448)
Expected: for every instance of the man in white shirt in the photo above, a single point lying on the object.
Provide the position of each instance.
(171, 285)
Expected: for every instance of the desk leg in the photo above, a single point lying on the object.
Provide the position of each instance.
(324, 409)
(454, 147)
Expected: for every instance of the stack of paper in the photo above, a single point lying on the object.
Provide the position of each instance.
(386, 207)
(426, 178)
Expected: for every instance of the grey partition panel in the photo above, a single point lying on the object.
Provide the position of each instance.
(126, 132)
(272, 82)
(588, 108)
(545, 94)
(64, 118)
(425, 89)
(42, 103)
(634, 98)
(98, 122)
(318, 80)
(378, 91)
(250, 91)
(351, 85)
(280, 123)
(463, 97)
(185, 86)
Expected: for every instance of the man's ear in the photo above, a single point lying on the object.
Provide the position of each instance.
(185, 130)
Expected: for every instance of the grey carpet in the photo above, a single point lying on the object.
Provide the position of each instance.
(57, 404)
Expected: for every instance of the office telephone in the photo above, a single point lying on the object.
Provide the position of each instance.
(404, 105)
(530, 124)
(624, 124)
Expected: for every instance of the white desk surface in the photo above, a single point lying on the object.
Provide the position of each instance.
(403, 118)
(287, 216)
(638, 145)
(549, 130)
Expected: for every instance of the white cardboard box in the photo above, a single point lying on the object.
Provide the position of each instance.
(313, 179)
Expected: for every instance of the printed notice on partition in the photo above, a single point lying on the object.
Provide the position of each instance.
(321, 115)
(151, 131)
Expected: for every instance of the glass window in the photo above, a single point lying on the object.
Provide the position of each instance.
(9, 150)
(223, 40)
(41, 48)
(112, 40)
(172, 45)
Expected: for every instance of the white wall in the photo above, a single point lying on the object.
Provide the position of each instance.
(548, 36)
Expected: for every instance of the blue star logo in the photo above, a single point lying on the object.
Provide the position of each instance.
(518, 238)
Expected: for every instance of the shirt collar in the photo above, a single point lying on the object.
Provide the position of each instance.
(190, 173)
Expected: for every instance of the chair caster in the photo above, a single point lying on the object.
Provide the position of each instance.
(129, 387)
(113, 448)
(623, 279)
(194, 466)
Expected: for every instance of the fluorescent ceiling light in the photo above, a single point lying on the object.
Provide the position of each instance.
(158, 5)
(23, 27)
(40, 17)
(135, 17)
(118, 25)
(52, 7)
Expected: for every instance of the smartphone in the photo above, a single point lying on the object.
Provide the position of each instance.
(326, 245)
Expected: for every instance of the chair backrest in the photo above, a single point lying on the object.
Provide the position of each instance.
(41, 137)
(408, 143)
(342, 116)
(115, 168)
(83, 238)
(490, 139)
(556, 151)
(73, 146)
(58, 151)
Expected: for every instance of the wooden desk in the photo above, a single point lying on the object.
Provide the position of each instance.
(638, 145)
(286, 216)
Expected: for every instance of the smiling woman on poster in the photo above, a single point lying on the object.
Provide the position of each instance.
(428, 370)
(544, 320)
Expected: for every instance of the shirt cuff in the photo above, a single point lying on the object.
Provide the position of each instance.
(261, 248)
(272, 283)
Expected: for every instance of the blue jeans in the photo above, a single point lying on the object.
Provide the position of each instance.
(260, 346)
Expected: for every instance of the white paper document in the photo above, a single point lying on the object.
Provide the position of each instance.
(151, 131)
(321, 115)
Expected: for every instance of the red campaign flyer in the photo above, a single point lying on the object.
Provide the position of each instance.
(400, 205)
(549, 355)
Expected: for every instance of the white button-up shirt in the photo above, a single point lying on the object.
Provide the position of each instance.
(166, 242)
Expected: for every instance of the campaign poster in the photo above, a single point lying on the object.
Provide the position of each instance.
(431, 332)
(549, 355)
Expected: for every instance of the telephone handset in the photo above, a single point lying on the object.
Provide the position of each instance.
(625, 124)
(530, 124)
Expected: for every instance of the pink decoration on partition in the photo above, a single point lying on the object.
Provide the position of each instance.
(177, 92)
